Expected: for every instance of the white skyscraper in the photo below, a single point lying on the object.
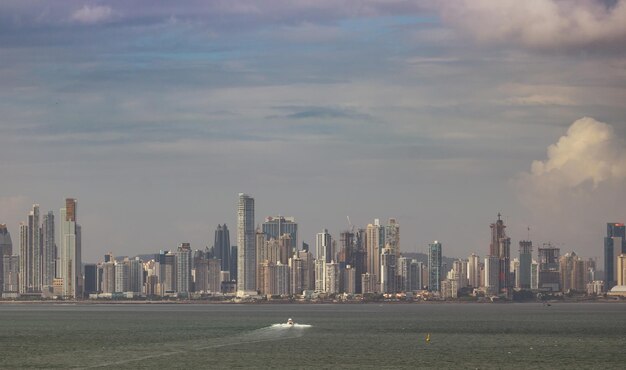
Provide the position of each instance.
(70, 251)
(246, 245)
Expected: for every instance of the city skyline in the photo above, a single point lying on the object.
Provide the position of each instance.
(437, 113)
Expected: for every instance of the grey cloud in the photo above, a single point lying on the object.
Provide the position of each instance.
(313, 112)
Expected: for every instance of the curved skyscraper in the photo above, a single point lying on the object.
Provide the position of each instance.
(246, 245)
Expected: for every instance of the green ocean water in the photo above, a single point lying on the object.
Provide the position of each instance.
(485, 336)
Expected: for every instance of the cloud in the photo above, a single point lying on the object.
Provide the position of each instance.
(579, 186)
(540, 24)
(590, 151)
(92, 14)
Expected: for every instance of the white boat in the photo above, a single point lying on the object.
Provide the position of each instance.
(290, 322)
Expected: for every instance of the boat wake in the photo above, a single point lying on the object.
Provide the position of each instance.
(269, 333)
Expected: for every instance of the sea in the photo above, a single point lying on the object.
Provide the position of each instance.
(326, 336)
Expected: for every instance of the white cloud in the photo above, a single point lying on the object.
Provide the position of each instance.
(590, 151)
(540, 24)
(92, 14)
(579, 187)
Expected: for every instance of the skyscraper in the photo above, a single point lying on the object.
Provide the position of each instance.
(525, 260)
(392, 236)
(614, 245)
(6, 245)
(473, 271)
(33, 272)
(388, 271)
(70, 252)
(24, 260)
(323, 246)
(434, 266)
(246, 246)
(374, 239)
(6, 249)
(221, 246)
(325, 255)
(276, 227)
(183, 269)
(48, 249)
(549, 273)
(501, 247)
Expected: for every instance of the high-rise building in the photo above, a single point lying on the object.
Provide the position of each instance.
(48, 250)
(348, 280)
(107, 284)
(308, 265)
(614, 245)
(10, 274)
(34, 251)
(325, 255)
(6, 245)
(492, 274)
(333, 278)
(91, 278)
(375, 242)
(621, 270)
(135, 275)
(246, 246)
(24, 260)
(221, 247)
(323, 246)
(276, 227)
(525, 260)
(572, 273)
(183, 269)
(501, 247)
(473, 271)
(392, 237)
(434, 266)
(122, 277)
(6, 249)
(549, 274)
(70, 252)
(388, 271)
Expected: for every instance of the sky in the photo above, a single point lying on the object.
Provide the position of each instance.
(441, 114)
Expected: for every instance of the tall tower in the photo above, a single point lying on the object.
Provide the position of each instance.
(221, 247)
(34, 251)
(324, 255)
(6, 245)
(614, 245)
(500, 247)
(388, 271)
(48, 249)
(525, 260)
(246, 245)
(24, 260)
(374, 239)
(434, 266)
(70, 251)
